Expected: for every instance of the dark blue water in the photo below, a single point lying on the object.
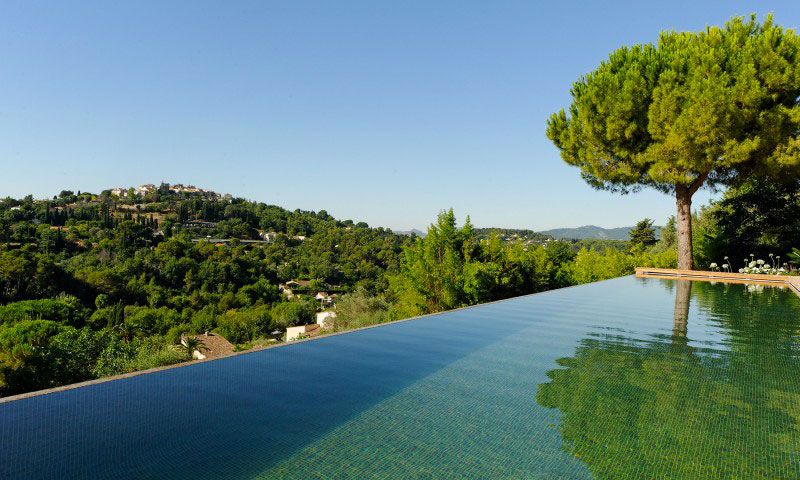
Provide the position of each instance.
(542, 386)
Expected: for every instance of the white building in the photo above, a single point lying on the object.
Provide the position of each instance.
(303, 331)
(267, 236)
(323, 298)
(325, 319)
(145, 189)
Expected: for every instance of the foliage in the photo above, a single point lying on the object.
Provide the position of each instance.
(36, 354)
(129, 272)
(63, 309)
(669, 234)
(192, 343)
(643, 235)
(289, 314)
(178, 332)
(140, 354)
(360, 309)
(153, 352)
(243, 325)
(794, 256)
(449, 268)
(433, 272)
(712, 103)
(759, 217)
(593, 265)
(205, 319)
(706, 108)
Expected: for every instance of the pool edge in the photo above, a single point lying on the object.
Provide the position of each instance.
(96, 381)
(790, 282)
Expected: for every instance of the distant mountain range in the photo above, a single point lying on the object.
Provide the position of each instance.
(593, 231)
(577, 233)
(413, 231)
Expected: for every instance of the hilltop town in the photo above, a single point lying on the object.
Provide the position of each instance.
(178, 188)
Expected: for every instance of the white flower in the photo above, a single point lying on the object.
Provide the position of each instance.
(713, 265)
(724, 265)
(741, 270)
(760, 262)
(752, 264)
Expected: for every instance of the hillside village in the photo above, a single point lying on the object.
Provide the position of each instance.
(179, 188)
(204, 217)
(291, 289)
(144, 273)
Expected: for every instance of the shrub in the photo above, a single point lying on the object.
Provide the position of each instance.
(297, 312)
(174, 334)
(115, 358)
(64, 309)
(360, 309)
(120, 356)
(154, 352)
(102, 301)
(592, 265)
(149, 321)
(205, 319)
(106, 317)
(260, 292)
(36, 354)
(237, 327)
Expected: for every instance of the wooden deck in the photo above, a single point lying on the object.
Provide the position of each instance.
(784, 281)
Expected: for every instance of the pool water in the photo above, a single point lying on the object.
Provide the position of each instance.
(628, 378)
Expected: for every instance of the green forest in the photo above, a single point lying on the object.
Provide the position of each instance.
(93, 285)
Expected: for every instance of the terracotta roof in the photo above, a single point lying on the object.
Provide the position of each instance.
(217, 345)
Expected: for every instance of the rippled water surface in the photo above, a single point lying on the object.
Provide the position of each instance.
(628, 378)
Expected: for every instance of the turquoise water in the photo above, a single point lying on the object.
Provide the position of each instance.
(628, 378)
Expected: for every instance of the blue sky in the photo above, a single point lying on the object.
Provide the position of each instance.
(379, 111)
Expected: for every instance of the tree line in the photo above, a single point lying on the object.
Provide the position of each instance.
(93, 297)
(108, 289)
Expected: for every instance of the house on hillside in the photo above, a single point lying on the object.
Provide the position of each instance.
(298, 283)
(199, 224)
(181, 188)
(289, 287)
(145, 189)
(267, 236)
(286, 290)
(119, 192)
(325, 318)
(325, 299)
(303, 331)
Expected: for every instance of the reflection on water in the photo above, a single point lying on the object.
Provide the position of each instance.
(668, 408)
(683, 293)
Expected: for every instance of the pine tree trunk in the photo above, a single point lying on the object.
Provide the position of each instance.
(683, 223)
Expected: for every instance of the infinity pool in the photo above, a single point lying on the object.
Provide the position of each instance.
(628, 378)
